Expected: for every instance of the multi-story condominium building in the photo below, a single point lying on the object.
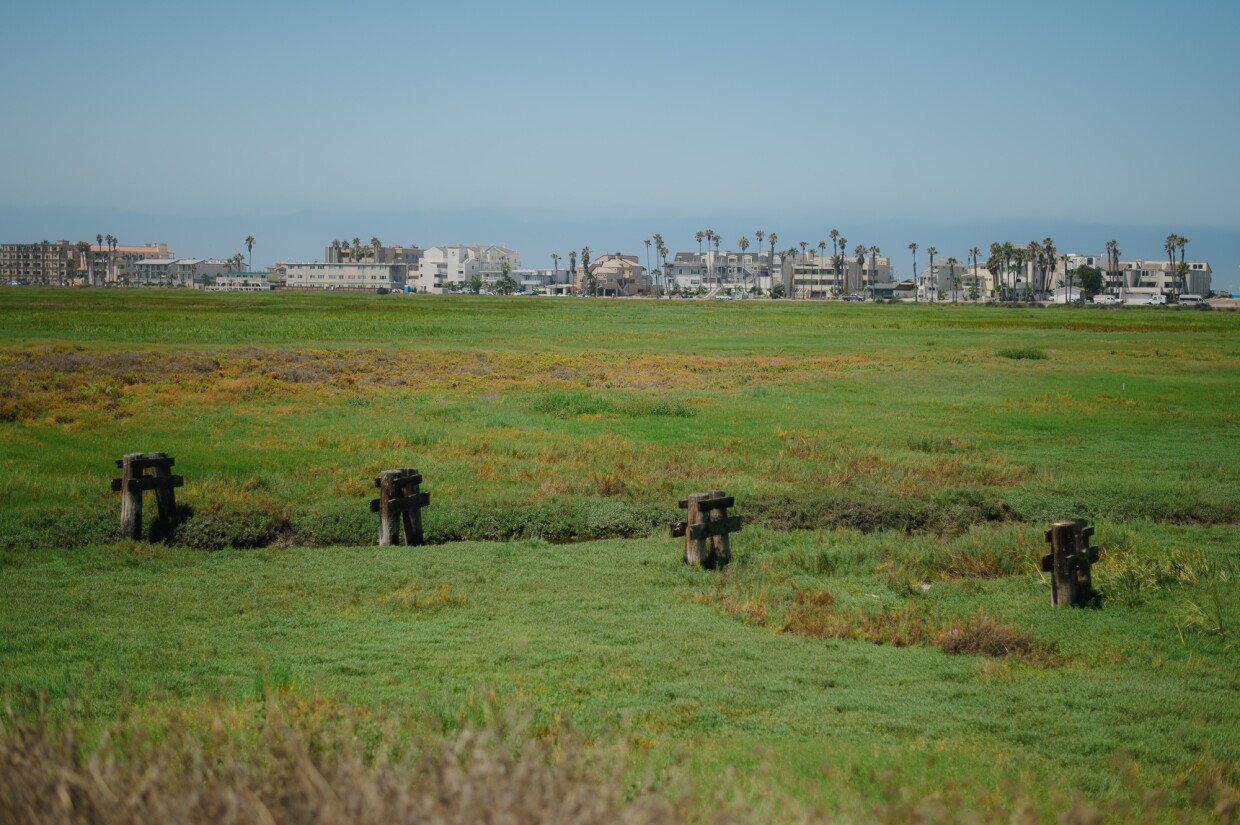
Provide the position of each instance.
(614, 275)
(1138, 280)
(241, 282)
(814, 277)
(337, 253)
(442, 266)
(46, 263)
(690, 270)
(191, 272)
(115, 265)
(547, 281)
(316, 275)
(944, 280)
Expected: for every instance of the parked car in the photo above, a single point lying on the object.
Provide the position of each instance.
(1157, 300)
(1192, 300)
(854, 297)
(1107, 301)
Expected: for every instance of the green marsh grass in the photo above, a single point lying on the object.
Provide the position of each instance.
(881, 645)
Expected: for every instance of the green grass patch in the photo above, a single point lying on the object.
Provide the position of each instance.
(881, 648)
(1023, 353)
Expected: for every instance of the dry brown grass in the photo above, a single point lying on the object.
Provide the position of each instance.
(294, 772)
(64, 378)
(815, 613)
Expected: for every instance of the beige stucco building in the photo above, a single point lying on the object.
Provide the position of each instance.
(614, 275)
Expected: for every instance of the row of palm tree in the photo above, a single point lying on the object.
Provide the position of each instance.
(1173, 244)
(357, 250)
(101, 240)
(1037, 260)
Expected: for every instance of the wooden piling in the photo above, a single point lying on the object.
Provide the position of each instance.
(131, 497)
(165, 494)
(413, 518)
(719, 552)
(389, 520)
(1064, 581)
(695, 548)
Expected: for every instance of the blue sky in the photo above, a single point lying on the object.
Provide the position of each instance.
(549, 125)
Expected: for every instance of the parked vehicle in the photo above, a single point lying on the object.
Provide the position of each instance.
(1192, 300)
(854, 297)
(1157, 300)
(1107, 301)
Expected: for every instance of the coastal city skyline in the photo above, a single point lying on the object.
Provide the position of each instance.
(546, 126)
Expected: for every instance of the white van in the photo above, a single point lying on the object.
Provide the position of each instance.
(1107, 300)
(1158, 300)
(1192, 300)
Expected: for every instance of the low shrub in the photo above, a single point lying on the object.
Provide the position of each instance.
(1023, 353)
(566, 404)
(980, 635)
(230, 524)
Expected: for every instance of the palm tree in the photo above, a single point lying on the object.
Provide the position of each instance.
(951, 277)
(1174, 242)
(1008, 252)
(1112, 263)
(249, 247)
(658, 256)
(718, 239)
(710, 266)
(648, 242)
(931, 251)
(110, 240)
(1049, 257)
(1032, 257)
(743, 243)
(95, 256)
(1181, 242)
(874, 250)
(1020, 257)
(912, 247)
(585, 264)
(572, 267)
(699, 235)
(973, 253)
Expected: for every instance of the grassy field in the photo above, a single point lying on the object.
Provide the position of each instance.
(883, 640)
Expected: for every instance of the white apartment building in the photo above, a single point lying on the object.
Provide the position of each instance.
(1136, 281)
(192, 272)
(813, 277)
(442, 266)
(316, 275)
(545, 281)
(690, 270)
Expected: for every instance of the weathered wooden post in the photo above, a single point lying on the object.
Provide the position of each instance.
(400, 502)
(706, 529)
(165, 494)
(695, 545)
(1070, 562)
(389, 518)
(413, 516)
(131, 496)
(720, 550)
(134, 482)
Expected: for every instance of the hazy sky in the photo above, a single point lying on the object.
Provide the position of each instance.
(754, 115)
